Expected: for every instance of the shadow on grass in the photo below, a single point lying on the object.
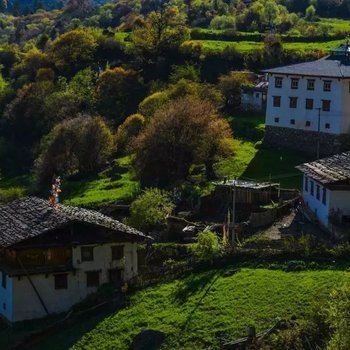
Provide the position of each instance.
(277, 165)
(195, 285)
(70, 334)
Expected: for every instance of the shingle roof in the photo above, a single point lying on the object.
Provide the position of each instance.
(31, 216)
(329, 66)
(328, 170)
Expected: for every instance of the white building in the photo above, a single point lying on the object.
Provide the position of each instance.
(326, 190)
(310, 101)
(53, 257)
(253, 98)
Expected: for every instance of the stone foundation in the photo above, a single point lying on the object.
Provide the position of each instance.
(306, 141)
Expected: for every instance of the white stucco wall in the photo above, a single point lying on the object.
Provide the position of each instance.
(6, 298)
(337, 117)
(26, 304)
(340, 200)
(252, 100)
(335, 200)
(321, 210)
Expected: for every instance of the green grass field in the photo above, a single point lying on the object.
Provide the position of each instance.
(115, 184)
(247, 46)
(252, 161)
(202, 308)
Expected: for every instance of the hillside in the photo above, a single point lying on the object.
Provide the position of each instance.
(203, 308)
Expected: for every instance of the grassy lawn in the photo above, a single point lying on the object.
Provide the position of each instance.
(115, 184)
(336, 23)
(15, 187)
(252, 161)
(246, 46)
(200, 309)
(220, 45)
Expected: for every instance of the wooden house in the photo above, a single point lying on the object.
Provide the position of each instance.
(53, 257)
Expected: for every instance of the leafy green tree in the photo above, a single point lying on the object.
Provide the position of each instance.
(71, 98)
(82, 144)
(162, 32)
(231, 86)
(33, 61)
(208, 246)
(150, 209)
(310, 13)
(127, 131)
(223, 22)
(78, 8)
(9, 56)
(180, 89)
(73, 51)
(181, 133)
(118, 91)
(186, 71)
(26, 118)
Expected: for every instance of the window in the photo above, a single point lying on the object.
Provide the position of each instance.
(92, 279)
(292, 121)
(277, 101)
(277, 120)
(87, 253)
(278, 82)
(306, 184)
(117, 252)
(311, 188)
(318, 192)
(326, 105)
(327, 85)
(307, 123)
(293, 102)
(115, 276)
(324, 196)
(61, 281)
(257, 95)
(309, 103)
(327, 126)
(311, 84)
(294, 83)
(3, 279)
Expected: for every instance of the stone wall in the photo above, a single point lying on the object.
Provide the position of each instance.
(306, 141)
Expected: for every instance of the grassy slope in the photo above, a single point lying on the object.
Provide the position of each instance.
(245, 46)
(198, 310)
(113, 185)
(253, 162)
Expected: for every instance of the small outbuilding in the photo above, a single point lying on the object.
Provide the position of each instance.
(326, 190)
(253, 98)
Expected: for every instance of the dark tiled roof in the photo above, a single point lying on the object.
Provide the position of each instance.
(330, 66)
(328, 170)
(31, 216)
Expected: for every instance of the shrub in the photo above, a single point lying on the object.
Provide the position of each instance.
(150, 209)
(208, 246)
(129, 130)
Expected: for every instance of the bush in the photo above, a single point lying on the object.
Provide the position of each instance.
(78, 145)
(208, 246)
(150, 209)
(129, 130)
